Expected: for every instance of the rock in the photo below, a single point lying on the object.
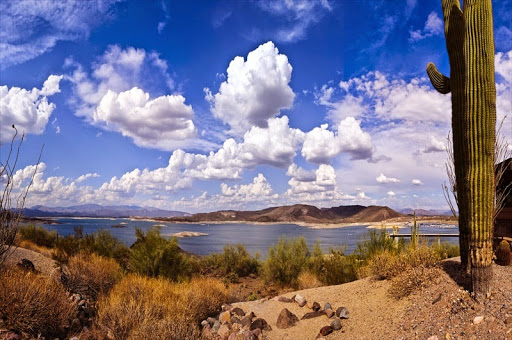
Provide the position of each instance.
(235, 320)
(247, 321)
(248, 335)
(329, 313)
(286, 319)
(226, 307)
(11, 336)
(224, 330)
(76, 297)
(204, 323)
(326, 330)
(206, 332)
(342, 313)
(310, 305)
(433, 337)
(260, 324)
(311, 315)
(76, 326)
(236, 327)
(300, 300)
(282, 299)
(27, 265)
(257, 333)
(232, 336)
(250, 314)
(216, 325)
(478, 319)
(327, 306)
(316, 306)
(225, 317)
(336, 324)
(211, 321)
(238, 311)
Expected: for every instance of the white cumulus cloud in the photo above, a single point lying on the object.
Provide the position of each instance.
(384, 179)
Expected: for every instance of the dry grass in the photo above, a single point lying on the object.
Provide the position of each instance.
(33, 304)
(308, 280)
(38, 249)
(148, 308)
(92, 275)
(413, 279)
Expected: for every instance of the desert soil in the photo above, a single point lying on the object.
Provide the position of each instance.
(444, 310)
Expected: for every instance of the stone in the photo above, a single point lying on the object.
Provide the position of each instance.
(326, 330)
(235, 320)
(206, 331)
(286, 319)
(237, 311)
(258, 323)
(478, 319)
(247, 321)
(329, 313)
(224, 330)
(216, 325)
(310, 305)
(282, 299)
(211, 321)
(336, 324)
(248, 335)
(327, 306)
(311, 315)
(342, 313)
(232, 336)
(226, 307)
(225, 317)
(236, 327)
(433, 337)
(257, 332)
(316, 306)
(250, 314)
(27, 265)
(300, 300)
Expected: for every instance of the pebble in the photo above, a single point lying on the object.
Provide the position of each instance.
(336, 324)
(300, 300)
(327, 306)
(478, 319)
(225, 317)
(316, 306)
(326, 330)
(329, 313)
(342, 313)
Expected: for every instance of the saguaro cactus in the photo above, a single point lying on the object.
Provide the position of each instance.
(470, 45)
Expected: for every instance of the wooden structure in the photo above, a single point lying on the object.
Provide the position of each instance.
(503, 222)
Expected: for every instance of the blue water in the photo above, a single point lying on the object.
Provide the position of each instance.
(256, 238)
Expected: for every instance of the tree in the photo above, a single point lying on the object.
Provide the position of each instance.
(10, 215)
(470, 45)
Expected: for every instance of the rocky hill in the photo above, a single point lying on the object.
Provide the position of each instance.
(298, 213)
(97, 210)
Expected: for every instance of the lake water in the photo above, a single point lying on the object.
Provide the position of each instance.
(256, 237)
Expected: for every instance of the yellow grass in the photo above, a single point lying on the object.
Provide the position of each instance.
(148, 308)
(308, 280)
(34, 247)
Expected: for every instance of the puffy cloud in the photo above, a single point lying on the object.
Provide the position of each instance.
(257, 190)
(325, 180)
(391, 194)
(435, 145)
(300, 15)
(86, 176)
(28, 110)
(384, 180)
(417, 182)
(433, 26)
(255, 90)
(321, 145)
(156, 123)
(28, 30)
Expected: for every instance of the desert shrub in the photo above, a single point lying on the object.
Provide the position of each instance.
(34, 247)
(149, 308)
(104, 244)
(286, 260)
(307, 280)
(38, 235)
(234, 260)
(388, 264)
(335, 267)
(66, 247)
(92, 275)
(375, 242)
(413, 279)
(33, 304)
(446, 250)
(155, 256)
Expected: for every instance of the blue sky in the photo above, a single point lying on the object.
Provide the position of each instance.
(203, 105)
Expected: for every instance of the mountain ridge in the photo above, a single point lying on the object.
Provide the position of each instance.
(97, 210)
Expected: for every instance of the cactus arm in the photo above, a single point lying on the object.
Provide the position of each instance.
(440, 82)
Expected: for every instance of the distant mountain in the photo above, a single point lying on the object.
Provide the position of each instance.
(96, 210)
(296, 213)
(423, 212)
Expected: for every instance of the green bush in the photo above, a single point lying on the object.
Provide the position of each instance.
(104, 244)
(446, 250)
(38, 235)
(286, 260)
(335, 267)
(375, 242)
(66, 247)
(155, 256)
(234, 260)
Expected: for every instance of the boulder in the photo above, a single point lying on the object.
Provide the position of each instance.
(238, 311)
(311, 315)
(336, 324)
(286, 319)
(326, 330)
(27, 265)
(316, 306)
(342, 313)
(300, 300)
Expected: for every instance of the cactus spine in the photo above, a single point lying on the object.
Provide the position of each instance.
(470, 45)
